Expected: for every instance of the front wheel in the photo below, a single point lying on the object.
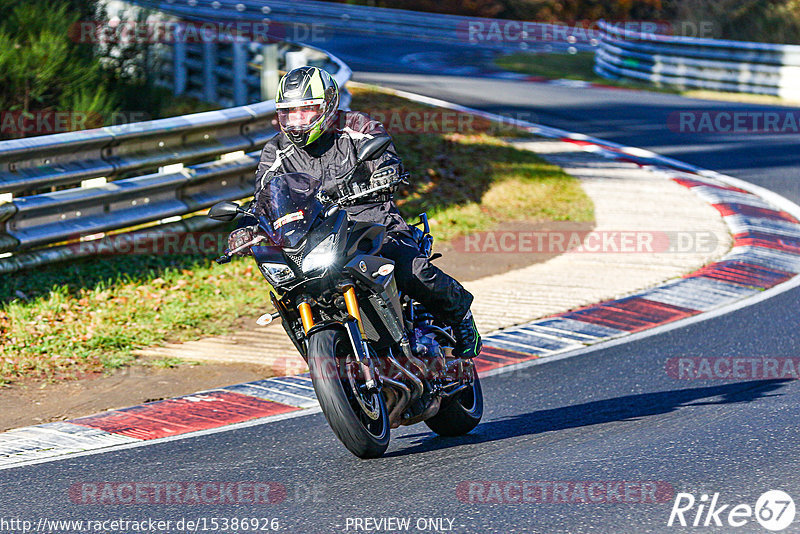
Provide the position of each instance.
(461, 413)
(358, 417)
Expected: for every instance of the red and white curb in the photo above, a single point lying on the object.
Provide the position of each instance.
(765, 254)
(259, 401)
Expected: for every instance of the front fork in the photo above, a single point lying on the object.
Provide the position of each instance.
(355, 330)
(358, 337)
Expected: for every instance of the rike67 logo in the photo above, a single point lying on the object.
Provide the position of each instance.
(774, 510)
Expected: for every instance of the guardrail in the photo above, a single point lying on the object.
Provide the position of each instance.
(149, 173)
(366, 20)
(233, 72)
(735, 66)
(210, 62)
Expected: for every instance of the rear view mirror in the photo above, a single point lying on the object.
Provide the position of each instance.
(374, 148)
(224, 211)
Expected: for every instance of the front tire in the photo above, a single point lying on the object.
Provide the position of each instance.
(460, 414)
(358, 418)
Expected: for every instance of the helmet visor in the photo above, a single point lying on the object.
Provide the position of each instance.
(299, 116)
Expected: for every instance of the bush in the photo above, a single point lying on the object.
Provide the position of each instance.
(46, 70)
(42, 69)
(776, 21)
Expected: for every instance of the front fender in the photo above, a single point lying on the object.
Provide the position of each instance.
(349, 327)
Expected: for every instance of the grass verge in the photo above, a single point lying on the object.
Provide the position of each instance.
(580, 66)
(90, 322)
(88, 316)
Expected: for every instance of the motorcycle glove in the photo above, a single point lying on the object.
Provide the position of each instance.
(241, 239)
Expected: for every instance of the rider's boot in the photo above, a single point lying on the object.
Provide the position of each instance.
(468, 340)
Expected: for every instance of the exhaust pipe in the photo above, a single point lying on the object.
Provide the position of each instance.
(402, 402)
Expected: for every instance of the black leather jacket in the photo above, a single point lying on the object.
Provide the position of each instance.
(333, 155)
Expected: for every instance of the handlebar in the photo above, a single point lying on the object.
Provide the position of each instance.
(373, 190)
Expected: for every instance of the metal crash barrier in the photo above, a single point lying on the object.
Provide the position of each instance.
(61, 188)
(735, 66)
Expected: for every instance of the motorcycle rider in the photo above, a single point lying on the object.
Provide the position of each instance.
(319, 139)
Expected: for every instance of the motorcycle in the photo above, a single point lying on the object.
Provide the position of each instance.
(377, 358)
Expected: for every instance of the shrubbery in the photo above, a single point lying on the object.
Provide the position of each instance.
(776, 21)
(45, 68)
(41, 68)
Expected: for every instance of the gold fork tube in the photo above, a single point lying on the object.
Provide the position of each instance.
(351, 302)
(306, 316)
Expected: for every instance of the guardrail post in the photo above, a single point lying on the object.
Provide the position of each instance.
(209, 74)
(269, 72)
(240, 53)
(179, 74)
(7, 210)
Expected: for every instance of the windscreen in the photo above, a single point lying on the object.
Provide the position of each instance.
(289, 204)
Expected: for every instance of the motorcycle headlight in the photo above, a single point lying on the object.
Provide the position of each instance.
(276, 273)
(322, 256)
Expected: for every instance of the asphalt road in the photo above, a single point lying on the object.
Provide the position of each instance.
(611, 415)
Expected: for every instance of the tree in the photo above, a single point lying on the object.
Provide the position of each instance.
(43, 70)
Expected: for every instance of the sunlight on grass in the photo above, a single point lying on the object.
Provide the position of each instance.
(580, 66)
(71, 330)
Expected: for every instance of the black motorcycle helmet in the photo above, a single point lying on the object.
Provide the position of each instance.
(306, 104)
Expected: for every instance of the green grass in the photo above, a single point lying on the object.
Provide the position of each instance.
(74, 327)
(65, 320)
(480, 181)
(580, 66)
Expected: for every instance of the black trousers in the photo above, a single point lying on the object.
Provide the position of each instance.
(418, 278)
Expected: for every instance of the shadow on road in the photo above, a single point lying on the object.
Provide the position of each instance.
(627, 408)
